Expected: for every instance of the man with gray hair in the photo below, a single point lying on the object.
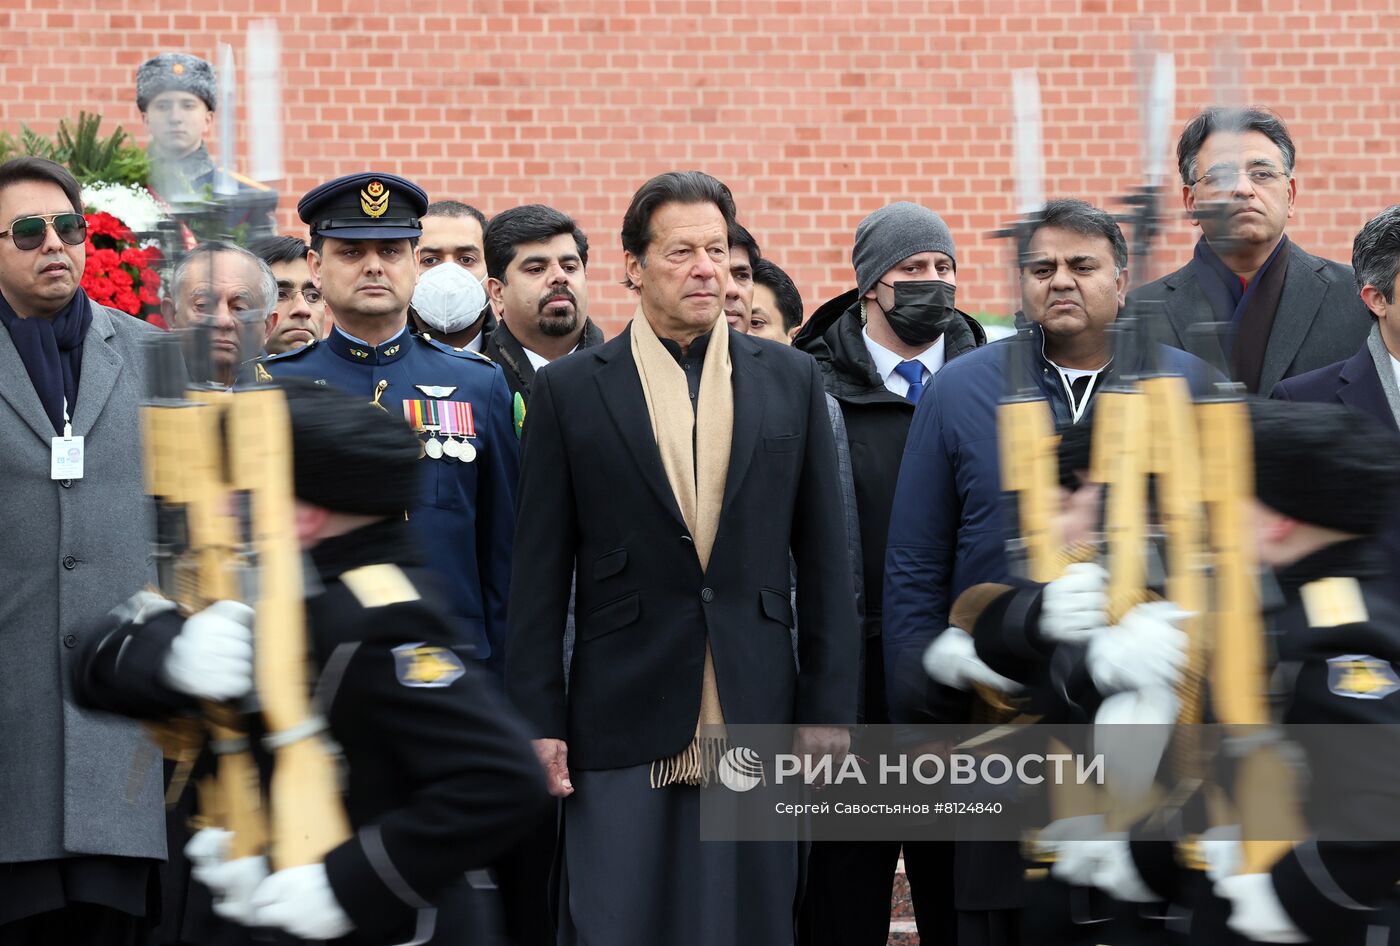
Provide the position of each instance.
(221, 288)
(1368, 381)
(1288, 311)
(878, 345)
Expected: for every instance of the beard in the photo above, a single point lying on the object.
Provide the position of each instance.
(558, 324)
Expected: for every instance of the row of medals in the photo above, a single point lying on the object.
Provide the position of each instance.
(451, 448)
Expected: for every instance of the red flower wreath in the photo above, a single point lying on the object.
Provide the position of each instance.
(120, 272)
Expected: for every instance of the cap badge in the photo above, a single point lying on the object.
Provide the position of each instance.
(178, 69)
(374, 199)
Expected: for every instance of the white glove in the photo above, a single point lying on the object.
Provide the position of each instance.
(1131, 733)
(142, 606)
(1222, 851)
(1075, 843)
(1255, 910)
(952, 661)
(212, 656)
(1116, 874)
(300, 901)
(1075, 605)
(230, 882)
(1146, 649)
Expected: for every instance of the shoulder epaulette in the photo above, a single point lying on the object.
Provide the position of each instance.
(248, 182)
(378, 586)
(1333, 602)
(459, 352)
(291, 352)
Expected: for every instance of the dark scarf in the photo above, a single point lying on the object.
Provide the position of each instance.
(52, 352)
(1249, 310)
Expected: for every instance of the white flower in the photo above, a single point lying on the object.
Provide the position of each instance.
(133, 206)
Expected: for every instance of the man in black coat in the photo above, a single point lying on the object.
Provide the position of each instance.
(1288, 311)
(677, 465)
(537, 259)
(439, 777)
(877, 346)
(1368, 381)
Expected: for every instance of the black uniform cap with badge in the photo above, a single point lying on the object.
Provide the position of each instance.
(1325, 464)
(175, 72)
(348, 455)
(368, 206)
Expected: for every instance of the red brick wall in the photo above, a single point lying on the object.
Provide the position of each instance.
(814, 113)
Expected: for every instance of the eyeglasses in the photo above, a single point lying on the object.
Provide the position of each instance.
(1224, 177)
(312, 296)
(28, 232)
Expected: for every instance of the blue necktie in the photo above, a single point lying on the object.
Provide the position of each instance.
(913, 372)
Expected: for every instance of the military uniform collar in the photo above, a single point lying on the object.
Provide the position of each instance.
(1353, 558)
(388, 540)
(353, 349)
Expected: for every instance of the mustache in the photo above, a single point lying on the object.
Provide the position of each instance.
(556, 295)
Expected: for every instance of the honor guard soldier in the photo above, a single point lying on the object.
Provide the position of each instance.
(437, 777)
(177, 95)
(363, 230)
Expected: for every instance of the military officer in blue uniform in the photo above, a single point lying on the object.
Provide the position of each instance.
(363, 230)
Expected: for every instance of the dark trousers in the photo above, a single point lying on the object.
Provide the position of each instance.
(79, 924)
(849, 886)
(523, 876)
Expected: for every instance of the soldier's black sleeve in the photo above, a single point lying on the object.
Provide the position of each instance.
(1331, 885)
(428, 735)
(119, 670)
(1006, 632)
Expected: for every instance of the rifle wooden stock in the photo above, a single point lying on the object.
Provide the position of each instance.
(308, 818)
(1176, 464)
(1264, 790)
(1118, 460)
(234, 799)
(1026, 438)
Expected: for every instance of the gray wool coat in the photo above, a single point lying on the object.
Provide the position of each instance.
(73, 781)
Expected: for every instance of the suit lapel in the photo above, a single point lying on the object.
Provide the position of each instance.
(1184, 302)
(1361, 388)
(750, 397)
(1303, 290)
(621, 391)
(101, 365)
(18, 390)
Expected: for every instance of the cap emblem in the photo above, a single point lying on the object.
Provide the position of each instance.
(374, 199)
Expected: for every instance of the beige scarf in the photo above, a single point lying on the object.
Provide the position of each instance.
(694, 444)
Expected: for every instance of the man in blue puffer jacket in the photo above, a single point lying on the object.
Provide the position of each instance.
(949, 528)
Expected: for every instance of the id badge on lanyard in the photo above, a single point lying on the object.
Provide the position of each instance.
(66, 452)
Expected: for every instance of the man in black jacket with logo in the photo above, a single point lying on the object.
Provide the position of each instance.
(878, 345)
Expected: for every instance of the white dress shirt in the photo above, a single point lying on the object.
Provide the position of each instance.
(539, 361)
(886, 361)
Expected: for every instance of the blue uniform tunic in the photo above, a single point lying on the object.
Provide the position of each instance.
(465, 515)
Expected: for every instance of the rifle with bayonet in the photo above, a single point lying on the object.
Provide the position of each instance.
(220, 471)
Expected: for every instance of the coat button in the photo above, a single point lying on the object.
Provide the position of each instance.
(70, 641)
(66, 484)
(687, 540)
(707, 595)
(69, 562)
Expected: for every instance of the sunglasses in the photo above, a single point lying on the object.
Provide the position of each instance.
(28, 232)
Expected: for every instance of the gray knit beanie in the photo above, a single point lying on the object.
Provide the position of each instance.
(893, 233)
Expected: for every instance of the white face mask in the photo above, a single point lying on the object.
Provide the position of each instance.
(448, 298)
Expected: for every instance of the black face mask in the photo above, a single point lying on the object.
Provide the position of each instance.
(922, 310)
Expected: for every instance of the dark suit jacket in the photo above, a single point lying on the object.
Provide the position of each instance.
(1320, 316)
(1353, 382)
(505, 350)
(593, 491)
